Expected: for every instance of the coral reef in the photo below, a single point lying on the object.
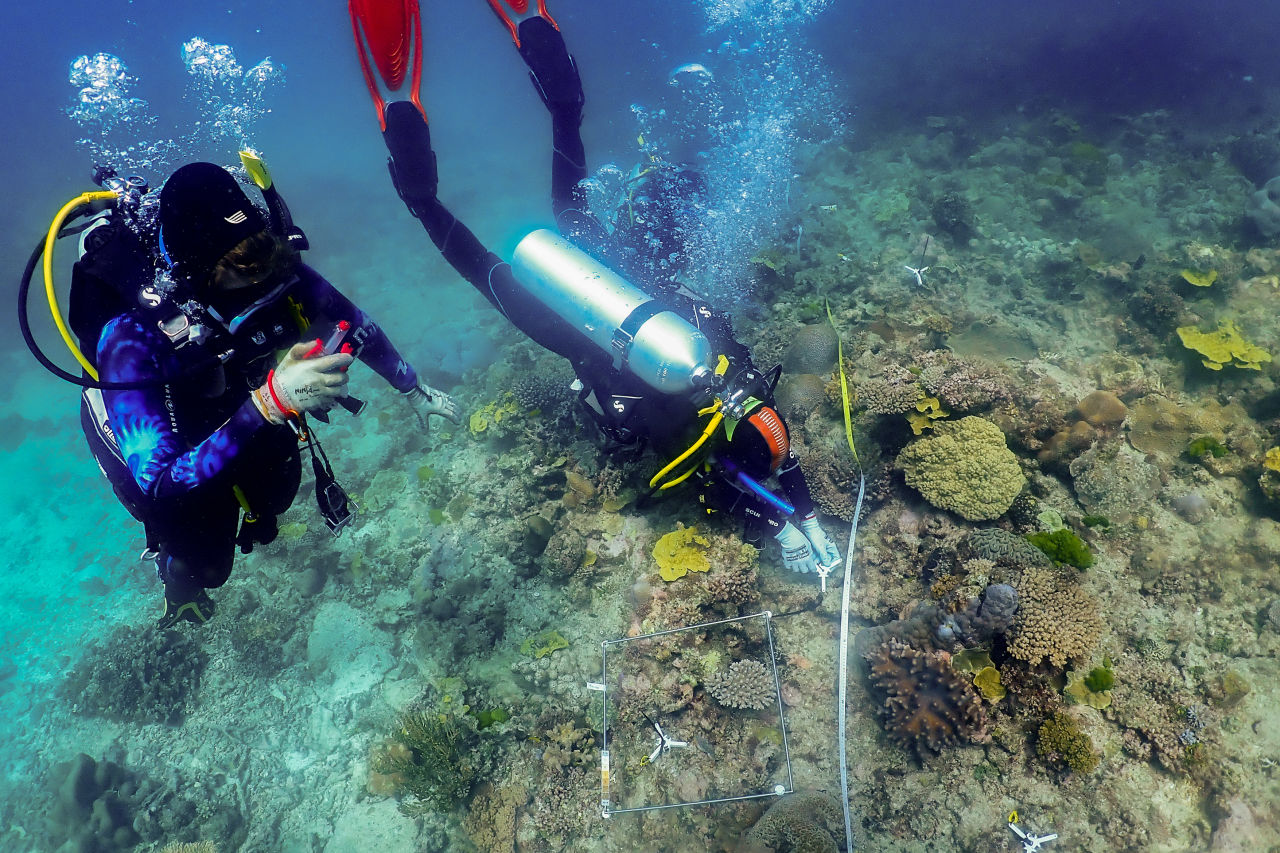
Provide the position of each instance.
(1060, 742)
(138, 674)
(801, 822)
(541, 392)
(889, 396)
(925, 705)
(1056, 618)
(962, 386)
(1113, 479)
(747, 685)
(812, 350)
(964, 467)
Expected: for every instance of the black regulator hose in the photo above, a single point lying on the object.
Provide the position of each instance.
(24, 323)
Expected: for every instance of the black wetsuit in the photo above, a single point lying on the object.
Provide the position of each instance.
(625, 407)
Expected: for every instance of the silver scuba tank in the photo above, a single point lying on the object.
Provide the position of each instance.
(642, 335)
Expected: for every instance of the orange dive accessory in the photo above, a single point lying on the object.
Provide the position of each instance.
(389, 31)
(520, 9)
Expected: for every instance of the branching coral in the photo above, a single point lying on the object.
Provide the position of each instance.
(430, 760)
(747, 685)
(1057, 619)
(925, 704)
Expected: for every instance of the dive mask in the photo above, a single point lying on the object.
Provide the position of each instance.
(237, 309)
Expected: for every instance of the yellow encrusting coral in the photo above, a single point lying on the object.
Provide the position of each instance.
(1199, 279)
(988, 683)
(678, 553)
(1223, 346)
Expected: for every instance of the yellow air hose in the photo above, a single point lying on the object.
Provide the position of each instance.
(54, 227)
(717, 415)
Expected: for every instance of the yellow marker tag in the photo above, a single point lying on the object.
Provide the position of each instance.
(1013, 817)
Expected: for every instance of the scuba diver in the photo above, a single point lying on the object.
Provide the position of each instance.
(182, 310)
(654, 362)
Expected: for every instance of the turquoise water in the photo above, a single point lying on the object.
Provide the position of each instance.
(1066, 177)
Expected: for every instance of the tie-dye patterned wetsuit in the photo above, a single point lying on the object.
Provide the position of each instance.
(183, 446)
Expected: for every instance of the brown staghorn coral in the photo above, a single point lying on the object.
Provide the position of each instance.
(1056, 618)
(925, 704)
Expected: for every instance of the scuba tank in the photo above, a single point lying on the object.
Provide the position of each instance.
(643, 336)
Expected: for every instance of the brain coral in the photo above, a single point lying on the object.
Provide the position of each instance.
(747, 685)
(926, 705)
(1056, 618)
(800, 394)
(1003, 548)
(808, 821)
(964, 467)
(812, 350)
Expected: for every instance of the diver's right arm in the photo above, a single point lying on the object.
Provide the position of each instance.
(159, 458)
(145, 420)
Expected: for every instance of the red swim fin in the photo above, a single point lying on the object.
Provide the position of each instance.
(389, 32)
(520, 10)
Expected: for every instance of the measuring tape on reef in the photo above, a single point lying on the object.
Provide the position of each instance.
(843, 669)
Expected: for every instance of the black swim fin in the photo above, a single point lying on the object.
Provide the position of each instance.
(412, 163)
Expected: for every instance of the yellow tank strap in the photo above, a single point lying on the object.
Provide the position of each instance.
(244, 503)
(54, 227)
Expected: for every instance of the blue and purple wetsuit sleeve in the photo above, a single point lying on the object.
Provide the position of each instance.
(161, 461)
(323, 303)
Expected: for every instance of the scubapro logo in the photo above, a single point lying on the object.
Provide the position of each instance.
(236, 218)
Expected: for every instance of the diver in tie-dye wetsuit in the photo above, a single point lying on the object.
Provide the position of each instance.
(196, 439)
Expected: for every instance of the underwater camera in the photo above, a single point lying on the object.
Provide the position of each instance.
(335, 505)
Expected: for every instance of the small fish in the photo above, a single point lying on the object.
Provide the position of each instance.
(828, 207)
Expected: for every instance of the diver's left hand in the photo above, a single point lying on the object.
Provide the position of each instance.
(828, 554)
(426, 401)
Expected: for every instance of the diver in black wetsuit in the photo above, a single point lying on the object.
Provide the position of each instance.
(654, 361)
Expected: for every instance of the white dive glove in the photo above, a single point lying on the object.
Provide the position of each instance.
(426, 400)
(300, 384)
(797, 553)
(828, 554)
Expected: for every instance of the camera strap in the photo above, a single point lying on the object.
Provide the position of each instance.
(336, 508)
